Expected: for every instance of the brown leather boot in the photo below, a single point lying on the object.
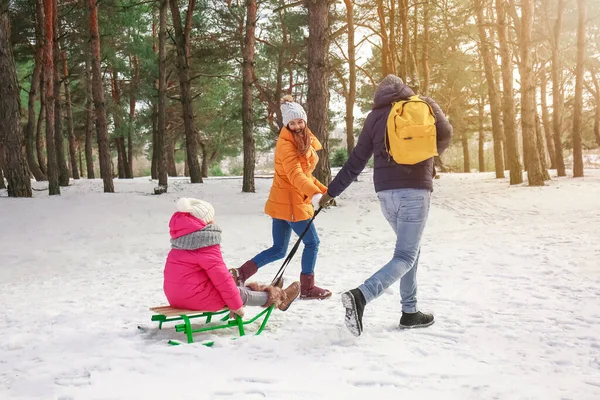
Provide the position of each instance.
(243, 273)
(310, 291)
(289, 295)
(280, 298)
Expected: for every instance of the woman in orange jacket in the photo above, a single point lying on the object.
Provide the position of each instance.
(295, 194)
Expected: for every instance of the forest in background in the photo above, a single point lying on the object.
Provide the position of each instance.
(88, 87)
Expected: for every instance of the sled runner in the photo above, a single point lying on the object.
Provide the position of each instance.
(170, 314)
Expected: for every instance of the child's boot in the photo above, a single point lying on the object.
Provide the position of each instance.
(280, 298)
(289, 295)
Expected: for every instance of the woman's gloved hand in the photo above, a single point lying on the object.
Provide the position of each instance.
(325, 199)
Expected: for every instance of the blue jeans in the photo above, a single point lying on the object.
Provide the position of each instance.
(282, 230)
(406, 210)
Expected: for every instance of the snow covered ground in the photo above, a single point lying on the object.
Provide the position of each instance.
(511, 273)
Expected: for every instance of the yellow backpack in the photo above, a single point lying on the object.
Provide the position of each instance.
(410, 133)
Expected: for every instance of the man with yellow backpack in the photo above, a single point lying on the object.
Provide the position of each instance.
(403, 132)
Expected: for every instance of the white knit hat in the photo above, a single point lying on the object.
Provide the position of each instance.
(200, 209)
(291, 110)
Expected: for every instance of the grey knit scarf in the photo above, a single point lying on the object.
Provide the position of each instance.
(209, 236)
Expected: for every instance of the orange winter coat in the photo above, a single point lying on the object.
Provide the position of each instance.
(293, 184)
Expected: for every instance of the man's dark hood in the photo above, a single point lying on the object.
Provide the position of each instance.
(389, 90)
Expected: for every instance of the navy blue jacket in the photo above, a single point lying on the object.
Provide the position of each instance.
(387, 173)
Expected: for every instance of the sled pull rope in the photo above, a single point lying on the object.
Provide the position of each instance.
(289, 257)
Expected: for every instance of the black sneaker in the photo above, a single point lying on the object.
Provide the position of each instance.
(354, 301)
(416, 320)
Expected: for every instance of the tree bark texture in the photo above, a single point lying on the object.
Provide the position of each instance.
(63, 169)
(535, 172)
(39, 134)
(508, 103)
(89, 123)
(481, 141)
(494, 97)
(30, 131)
(578, 112)
(52, 168)
(318, 82)
(351, 98)
(98, 93)
(132, 104)
(161, 133)
(70, 129)
(248, 48)
(546, 120)
(122, 162)
(182, 40)
(425, 57)
(557, 94)
(12, 140)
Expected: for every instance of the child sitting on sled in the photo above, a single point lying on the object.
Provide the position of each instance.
(195, 275)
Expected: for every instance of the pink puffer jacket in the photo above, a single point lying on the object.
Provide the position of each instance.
(197, 279)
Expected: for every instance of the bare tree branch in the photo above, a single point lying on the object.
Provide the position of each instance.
(361, 69)
(212, 76)
(294, 4)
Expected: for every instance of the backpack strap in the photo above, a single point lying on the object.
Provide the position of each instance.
(386, 140)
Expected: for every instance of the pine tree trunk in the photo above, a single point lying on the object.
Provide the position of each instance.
(204, 160)
(546, 120)
(465, 145)
(30, 134)
(494, 97)
(122, 163)
(481, 141)
(80, 157)
(392, 42)
(248, 47)
(182, 41)
(510, 133)
(351, 98)
(171, 165)
(123, 145)
(405, 39)
(161, 133)
(318, 82)
(132, 104)
(39, 135)
(2, 184)
(52, 169)
(540, 145)
(385, 47)
(186, 168)
(278, 123)
(70, 130)
(597, 120)
(557, 95)
(578, 112)
(155, 149)
(597, 114)
(535, 174)
(11, 131)
(89, 123)
(98, 92)
(119, 145)
(425, 58)
(63, 169)
(413, 52)
(30, 137)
